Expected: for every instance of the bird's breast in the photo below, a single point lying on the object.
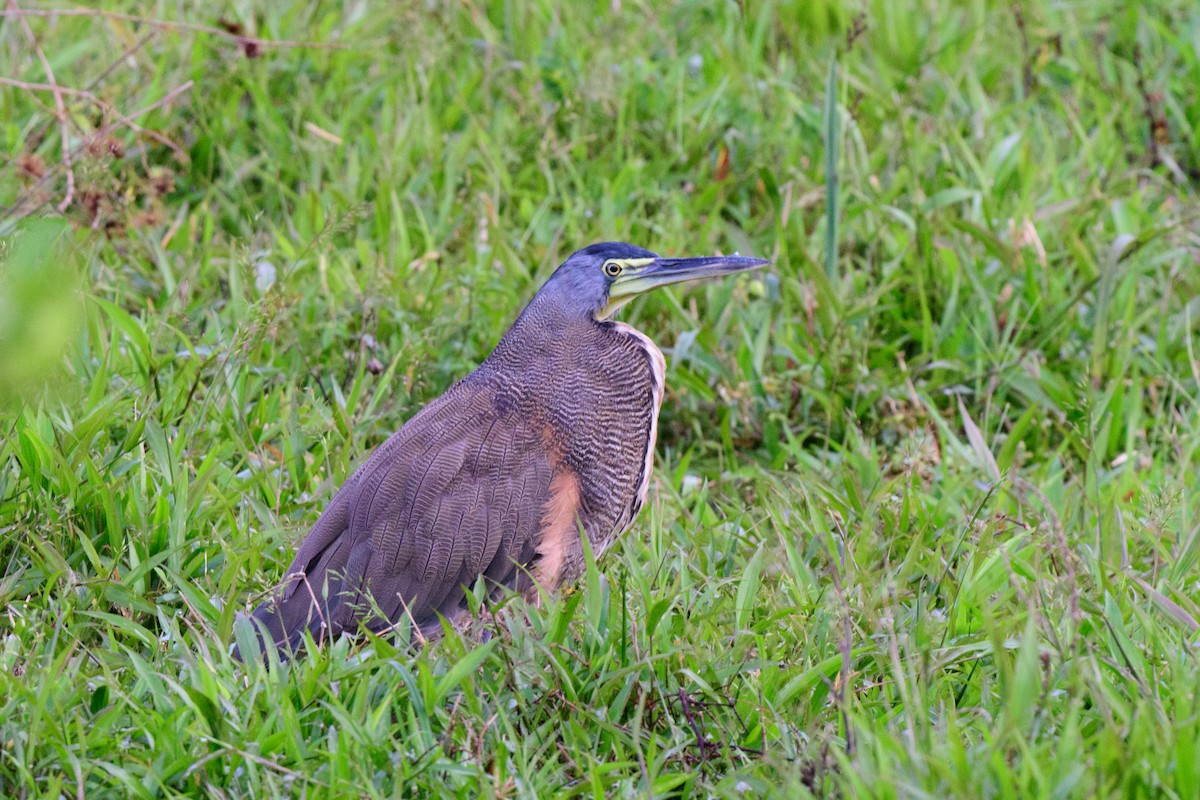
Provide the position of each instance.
(657, 366)
(594, 392)
(609, 397)
(586, 396)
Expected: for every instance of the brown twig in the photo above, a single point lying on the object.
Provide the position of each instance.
(60, 105)
(709, 748)
(1152, 103)
(39, 133)
(125, 55)
(1026, 56)
(844, 644)
(242, 40)
(107, 107)
(105, 131)
(228, 749)
(702, 741)
(858, 27)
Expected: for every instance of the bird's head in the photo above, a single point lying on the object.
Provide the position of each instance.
(601, 278)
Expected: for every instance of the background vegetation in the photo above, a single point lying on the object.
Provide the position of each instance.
(925, 519)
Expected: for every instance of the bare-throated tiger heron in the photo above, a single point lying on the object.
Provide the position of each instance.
(552, 434)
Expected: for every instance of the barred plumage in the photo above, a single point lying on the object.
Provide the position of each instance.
(552, 434)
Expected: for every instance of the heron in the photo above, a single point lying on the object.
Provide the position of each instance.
(549, 440)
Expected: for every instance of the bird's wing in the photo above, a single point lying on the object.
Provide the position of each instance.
(457, 493)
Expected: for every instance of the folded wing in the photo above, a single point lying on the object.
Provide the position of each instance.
(457, 493)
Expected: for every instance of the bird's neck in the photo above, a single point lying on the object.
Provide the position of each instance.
(545, 332)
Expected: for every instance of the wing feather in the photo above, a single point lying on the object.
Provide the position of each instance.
(456, 493)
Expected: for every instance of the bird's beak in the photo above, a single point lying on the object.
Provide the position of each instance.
(639, 278)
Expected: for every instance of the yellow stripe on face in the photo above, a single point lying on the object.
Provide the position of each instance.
(629, 269)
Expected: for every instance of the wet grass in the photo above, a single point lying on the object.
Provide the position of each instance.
(922, 523)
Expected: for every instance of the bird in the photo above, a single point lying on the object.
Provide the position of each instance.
(550, 439)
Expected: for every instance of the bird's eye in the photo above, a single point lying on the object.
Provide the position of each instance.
(612, 269)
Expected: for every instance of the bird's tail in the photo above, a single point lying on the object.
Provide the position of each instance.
(280, 622)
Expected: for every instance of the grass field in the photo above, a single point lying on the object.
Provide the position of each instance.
(924, 523)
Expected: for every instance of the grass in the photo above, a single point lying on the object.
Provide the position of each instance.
(924, 521)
